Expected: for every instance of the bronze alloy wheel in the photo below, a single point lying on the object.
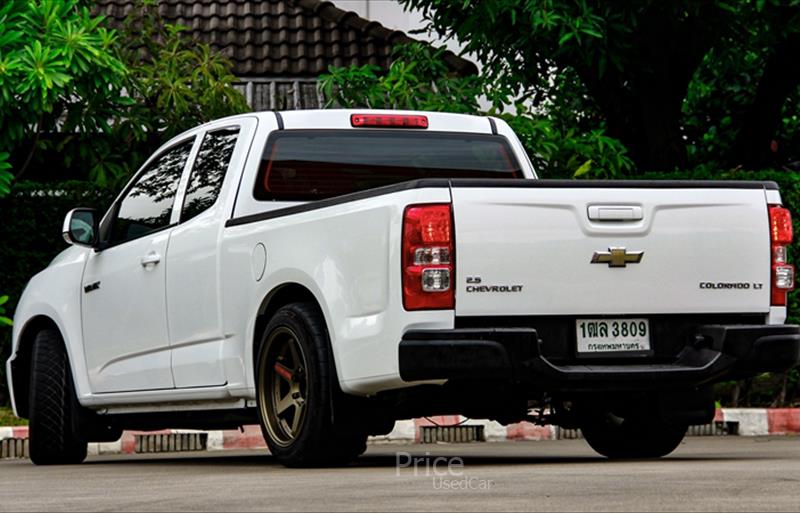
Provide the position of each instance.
(297, 393)
(284, 386)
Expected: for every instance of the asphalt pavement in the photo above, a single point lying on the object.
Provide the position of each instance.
(704, 474)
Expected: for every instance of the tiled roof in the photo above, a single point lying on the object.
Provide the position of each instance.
(281, 38)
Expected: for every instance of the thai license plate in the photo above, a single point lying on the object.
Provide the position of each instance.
(612, 336)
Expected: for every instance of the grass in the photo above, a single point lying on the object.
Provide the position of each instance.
(7, 418)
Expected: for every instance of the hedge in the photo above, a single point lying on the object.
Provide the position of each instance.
(33, 214)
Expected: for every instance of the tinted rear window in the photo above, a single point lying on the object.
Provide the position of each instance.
(303, 165)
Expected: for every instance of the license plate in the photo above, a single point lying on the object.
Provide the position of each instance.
(612, 336)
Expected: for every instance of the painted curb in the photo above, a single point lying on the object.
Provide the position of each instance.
(750, 421)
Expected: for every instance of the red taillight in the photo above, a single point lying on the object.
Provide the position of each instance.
(781, 236)
(389, 121)
(428, 257)
(780, 224)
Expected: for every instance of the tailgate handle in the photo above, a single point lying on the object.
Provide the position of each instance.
(615, 213)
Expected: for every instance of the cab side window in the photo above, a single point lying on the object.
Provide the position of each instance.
(208, 172)
(147, 206)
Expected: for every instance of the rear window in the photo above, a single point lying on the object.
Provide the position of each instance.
(305, 165)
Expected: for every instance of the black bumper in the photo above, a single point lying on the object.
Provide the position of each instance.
(715, 352)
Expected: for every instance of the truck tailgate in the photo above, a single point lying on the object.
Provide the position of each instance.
(529, 250)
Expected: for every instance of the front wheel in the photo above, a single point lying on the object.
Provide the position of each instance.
(55, 436)
(298, 395)
(633, 436)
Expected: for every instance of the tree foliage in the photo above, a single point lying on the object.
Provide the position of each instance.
(175, 83)
(100, 100)
(418, 79)
(742, 104)
(3, 319)
(5, 174)
(635, 65)
(58, 73)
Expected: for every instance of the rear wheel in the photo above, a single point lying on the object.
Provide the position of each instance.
(298, 396)
(636, 435)
(55, 437)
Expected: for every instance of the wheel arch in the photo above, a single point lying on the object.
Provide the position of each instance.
(278, 297)
(21, 366)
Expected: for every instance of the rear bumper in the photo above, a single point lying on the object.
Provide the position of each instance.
(716, 352)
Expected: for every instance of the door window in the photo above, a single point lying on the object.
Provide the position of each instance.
(208, 171)
(147, 206)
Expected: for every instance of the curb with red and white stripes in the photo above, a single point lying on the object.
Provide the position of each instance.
(762, 421)
(750, 421)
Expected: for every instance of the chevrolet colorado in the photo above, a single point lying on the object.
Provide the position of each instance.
(325, 273)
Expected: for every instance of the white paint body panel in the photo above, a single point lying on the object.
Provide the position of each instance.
(125, 335)
(192, 342)
(55, 293)
(194, 278)
(349, 258)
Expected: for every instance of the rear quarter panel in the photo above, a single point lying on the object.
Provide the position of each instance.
(348, 256)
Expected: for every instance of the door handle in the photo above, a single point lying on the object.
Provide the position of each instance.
(151, 258)
(615, 213)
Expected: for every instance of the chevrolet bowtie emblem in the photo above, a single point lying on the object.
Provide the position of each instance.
(617, 257)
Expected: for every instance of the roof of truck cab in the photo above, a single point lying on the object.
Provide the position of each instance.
(340, 119)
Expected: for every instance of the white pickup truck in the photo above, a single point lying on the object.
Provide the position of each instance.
(325, 273)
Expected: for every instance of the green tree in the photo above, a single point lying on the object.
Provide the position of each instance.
(99, 100)
(5, 174)
(174, 84)
(418, 79)
(58, 74)
(3, 319)
(5, 180)
(632, 61)
(742, 105)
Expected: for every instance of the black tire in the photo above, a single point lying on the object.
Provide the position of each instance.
(54, 432)
(295, 376)
(637, 436)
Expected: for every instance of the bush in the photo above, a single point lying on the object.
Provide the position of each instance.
(31, 233)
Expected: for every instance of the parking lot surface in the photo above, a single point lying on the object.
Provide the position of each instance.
(704, 474)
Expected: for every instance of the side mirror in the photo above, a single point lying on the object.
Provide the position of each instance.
(81, 227)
